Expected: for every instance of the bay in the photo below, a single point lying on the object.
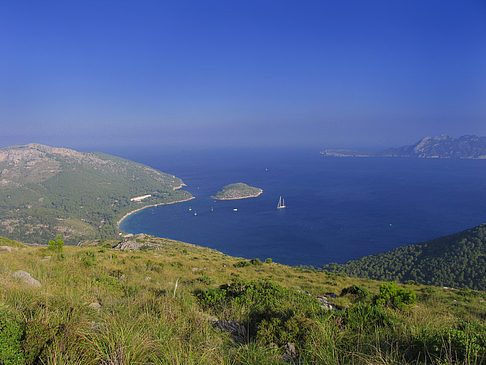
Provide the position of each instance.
(338, 209)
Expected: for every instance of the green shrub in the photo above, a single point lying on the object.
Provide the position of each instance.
(268, 260)
(366, 317)
(256, 262)
(205, 280)
(37, 336)
(242, 264)
(394, 296)
(355, 290)
(272, 314)
(88, 259)
(466, 343)
(57, 245)
(12, 330)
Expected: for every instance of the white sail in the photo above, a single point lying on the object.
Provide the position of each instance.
(281, 203)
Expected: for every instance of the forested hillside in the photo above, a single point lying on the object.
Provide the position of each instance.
(458, 260)
(45, 191)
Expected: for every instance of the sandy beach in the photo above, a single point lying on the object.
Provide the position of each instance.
(151, 205)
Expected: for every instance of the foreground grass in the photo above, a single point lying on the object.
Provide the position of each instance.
(103, 306)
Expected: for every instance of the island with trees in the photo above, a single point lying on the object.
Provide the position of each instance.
(237, 191)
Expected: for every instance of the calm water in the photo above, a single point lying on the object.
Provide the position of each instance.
(337, 208)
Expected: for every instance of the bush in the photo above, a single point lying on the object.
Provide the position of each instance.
(242, 264)
(355, 290)
(88, 259)
(367, 317)
(12, 330)
(37, 336)
(56, 245)
(268, 260)
(394, 296)
(272, 314)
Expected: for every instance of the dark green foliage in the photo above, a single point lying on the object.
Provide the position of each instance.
(366, 317)
(466, 342)
(11, 333)
(356, 290)
(268, 260)
(272, 313)
(37, 336)
(242, 264)
(458, 260)
(394, 296)
(256, 262)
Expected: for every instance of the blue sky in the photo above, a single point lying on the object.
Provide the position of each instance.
(241, 73)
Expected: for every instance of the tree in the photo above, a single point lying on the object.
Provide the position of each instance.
(57, 245)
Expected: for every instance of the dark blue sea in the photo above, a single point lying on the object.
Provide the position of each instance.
(338, 209)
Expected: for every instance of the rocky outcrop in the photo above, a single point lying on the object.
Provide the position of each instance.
(135, 243)
(8, 248)
(236, 330)
(25, 277)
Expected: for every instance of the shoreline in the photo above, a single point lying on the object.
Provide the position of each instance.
(149, 206)
(243, 197)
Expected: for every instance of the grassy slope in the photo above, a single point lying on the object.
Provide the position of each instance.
(142, 320)
(457, 260)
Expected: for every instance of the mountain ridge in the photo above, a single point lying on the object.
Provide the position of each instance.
(443, 146)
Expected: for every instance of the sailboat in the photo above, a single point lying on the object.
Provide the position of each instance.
(281, 203)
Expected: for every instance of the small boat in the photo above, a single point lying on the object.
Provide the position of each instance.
(212, 209)
(195, 213)
(235, 209)
(281, 203)
(190, 208)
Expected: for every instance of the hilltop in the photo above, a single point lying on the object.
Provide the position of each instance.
(237, 191)
(46, 190)
(457, 260)
(150, 300)
(466, 147)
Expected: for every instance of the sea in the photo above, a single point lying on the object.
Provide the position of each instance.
(338, 209)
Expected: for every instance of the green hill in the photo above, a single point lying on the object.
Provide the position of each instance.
(46, 190)
(237, 191)
(167, 302)
(458, 260)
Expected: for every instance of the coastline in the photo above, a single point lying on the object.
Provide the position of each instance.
(242, 197)
(149, 206)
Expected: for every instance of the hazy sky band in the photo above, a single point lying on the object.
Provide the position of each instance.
(364, 73)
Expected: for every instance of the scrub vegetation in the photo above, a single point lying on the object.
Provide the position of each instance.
(174, 303)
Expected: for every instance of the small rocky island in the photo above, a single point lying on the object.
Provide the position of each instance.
(237, 191)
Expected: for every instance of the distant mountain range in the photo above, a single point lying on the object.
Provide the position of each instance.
(457, 260)
(45, 191)
(466, 147)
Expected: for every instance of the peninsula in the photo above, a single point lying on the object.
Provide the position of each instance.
(45, 191)
(237, 191)
(465, 147)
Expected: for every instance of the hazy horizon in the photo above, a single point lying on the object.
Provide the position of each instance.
(351, 74)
